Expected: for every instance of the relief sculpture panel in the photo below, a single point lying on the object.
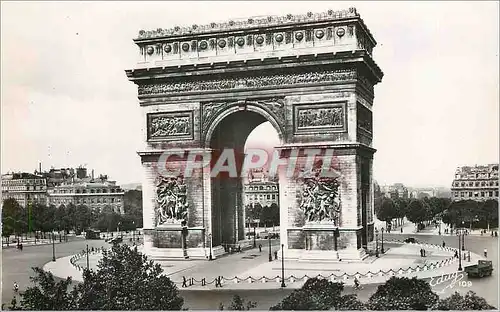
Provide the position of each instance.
(170, 126)
(320, 200)
(172, 205)
(325, 118)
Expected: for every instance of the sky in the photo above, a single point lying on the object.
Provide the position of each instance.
(66, 101)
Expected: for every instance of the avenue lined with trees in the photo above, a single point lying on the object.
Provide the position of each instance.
(43, 219)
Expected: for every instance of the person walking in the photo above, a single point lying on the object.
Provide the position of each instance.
(260, 248)
(356, 284)
(444, 244)
(16, 287)
(485, 253)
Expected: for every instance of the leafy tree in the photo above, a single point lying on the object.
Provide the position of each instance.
(239, 304)
(403, 294)
(47, 294)
(401, 206)
(489, 212)
(315, 294)
(351, 303)
(132, 204)
(417, 212)
(275, 213)
(12, 216)
(387, 211)
(125, 280)
(458, 302)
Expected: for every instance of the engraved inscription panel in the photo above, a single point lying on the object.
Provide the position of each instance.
(170, 126)
(320, 117)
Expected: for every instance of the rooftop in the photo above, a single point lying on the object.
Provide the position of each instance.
(255, 22)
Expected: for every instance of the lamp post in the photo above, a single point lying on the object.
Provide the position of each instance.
(269, 239)
(459, 253)
(88, 257)
(133, 232)
(382, 249)
(53, 248)
(376, 242)
(463, 240)
(283, 265)
(210, 252)
(254, 235)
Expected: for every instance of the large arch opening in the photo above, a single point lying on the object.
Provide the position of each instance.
(238, 131)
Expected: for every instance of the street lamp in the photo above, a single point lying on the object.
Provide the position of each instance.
(463, 240)
(459, 253)
(118, 229)
(376, 242)
(382, 249)
(53, 248)
(269, 239)
(254, 235)
(87, 256)
(283, 265)
(210, 253)
(133, 232)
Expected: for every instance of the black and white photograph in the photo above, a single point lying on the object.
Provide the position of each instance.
(249, 155)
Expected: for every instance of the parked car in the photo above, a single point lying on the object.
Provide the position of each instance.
(481, 269)
(411, 240)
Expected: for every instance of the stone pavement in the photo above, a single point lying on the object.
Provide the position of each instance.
(252, 270)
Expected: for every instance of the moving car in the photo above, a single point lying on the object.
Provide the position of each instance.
(481, 269)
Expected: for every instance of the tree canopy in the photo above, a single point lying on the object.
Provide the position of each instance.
(124, 280)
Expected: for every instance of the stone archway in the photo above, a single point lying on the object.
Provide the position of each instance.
(312, 76)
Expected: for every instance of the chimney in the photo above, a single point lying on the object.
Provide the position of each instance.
(40, 167)
(92, 174)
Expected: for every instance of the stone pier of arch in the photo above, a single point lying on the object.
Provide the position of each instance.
(205, 88)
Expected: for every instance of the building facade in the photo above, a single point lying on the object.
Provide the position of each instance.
(397, 190)
(264, 193)
(24, 188)
(95, 195)
(63, 187)
(475, 183)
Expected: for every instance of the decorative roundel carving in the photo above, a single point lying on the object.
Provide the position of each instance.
(240, 41)
(259, 39)
(222, 43)
(279, 38)
(320, 34)
(150, 50)
(203, 45)
(340, 32)
(185, 47)
(167, 48)
(299, 36)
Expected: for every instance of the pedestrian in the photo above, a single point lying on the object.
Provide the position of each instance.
(16, 287)
(456, 254)
(444, 244)
(356, 283)
(485, 253)
(275, 255)
(260, 248)
(496, 234)
(421, 252)
(401, 229)
(21, 247)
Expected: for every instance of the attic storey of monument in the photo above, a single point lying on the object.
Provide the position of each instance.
(203, 89)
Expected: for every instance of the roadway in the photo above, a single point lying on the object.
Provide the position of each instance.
(16, 266)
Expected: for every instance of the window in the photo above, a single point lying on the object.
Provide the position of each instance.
(477, 183)
(482, 194)
(470, 194)
(496, 193)
(491, 194)
(268, 196)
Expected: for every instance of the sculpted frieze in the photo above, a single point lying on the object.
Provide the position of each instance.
(172, 204)
(320, 117)
(246, 82)
(248, 23)
(364, 118)
(170, 125)
(274, 106)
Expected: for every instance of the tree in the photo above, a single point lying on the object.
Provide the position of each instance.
(125, 280)
(401, 206)
(403, 294)
(387, 211)
(458, 302)
(239, 304)
(47, 294)
(132, 204)
(489, 212)
(275, 214)
(12, 215)
(315, 294)
(417, 212)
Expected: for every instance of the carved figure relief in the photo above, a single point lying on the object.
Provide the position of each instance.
(320, 117)
(321, 199)
(170, 125)
(246, 82)
(364, 118)
(275, 106)
(172, 202)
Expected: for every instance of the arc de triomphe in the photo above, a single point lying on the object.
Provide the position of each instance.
(206, 87)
